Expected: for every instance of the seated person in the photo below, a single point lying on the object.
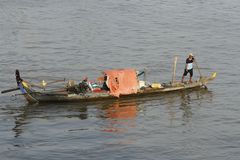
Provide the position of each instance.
(105, 87)
(84, 86)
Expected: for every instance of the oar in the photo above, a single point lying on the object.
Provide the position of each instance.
(197, 68)
(10, 90)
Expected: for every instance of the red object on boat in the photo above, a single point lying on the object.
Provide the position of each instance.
(97, 90)
(122, 81)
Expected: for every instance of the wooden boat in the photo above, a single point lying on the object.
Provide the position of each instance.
(114, 84)
(121, 84)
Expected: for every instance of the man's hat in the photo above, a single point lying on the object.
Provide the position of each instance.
(190, 54)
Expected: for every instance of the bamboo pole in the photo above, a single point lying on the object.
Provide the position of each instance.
(174, 69)
(198, 68)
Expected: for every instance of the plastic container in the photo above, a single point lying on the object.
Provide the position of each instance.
(141, 84)
(156, 85)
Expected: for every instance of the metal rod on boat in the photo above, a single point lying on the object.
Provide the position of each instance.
(174, 69)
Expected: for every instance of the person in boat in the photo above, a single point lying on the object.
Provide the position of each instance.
(188, 67)
(84, 86)
(104, 86)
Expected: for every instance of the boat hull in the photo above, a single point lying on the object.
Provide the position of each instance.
(40, 97)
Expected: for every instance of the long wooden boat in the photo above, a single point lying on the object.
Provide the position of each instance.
(34, 95)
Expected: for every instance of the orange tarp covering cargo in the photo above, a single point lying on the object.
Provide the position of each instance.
(122, 81)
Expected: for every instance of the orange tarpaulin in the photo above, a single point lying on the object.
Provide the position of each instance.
(122, 81)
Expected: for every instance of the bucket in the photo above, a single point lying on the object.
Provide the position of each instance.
(141, 84)
(156, 85)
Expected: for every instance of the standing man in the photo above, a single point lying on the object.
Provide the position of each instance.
(189, 67)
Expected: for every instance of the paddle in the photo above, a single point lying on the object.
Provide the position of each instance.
(10, 90)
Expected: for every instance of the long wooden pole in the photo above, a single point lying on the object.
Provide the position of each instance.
(10, 90)
(174, 69)
(197, 67)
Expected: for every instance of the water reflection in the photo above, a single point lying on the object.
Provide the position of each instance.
(26, 114)
(113, 116)
(121, 110)
(120, 116)
(20, 120)
(184, 102)
(186, 107)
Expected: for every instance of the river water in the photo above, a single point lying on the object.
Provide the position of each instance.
(56, 39)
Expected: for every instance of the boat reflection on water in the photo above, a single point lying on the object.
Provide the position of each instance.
(20, 120)
(121, 110)
(112, 116)
(115, 115)
(183, 103)
(188, 98)
(33, 113)
(120, 116)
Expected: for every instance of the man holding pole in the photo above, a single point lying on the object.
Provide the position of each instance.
(188, 67)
